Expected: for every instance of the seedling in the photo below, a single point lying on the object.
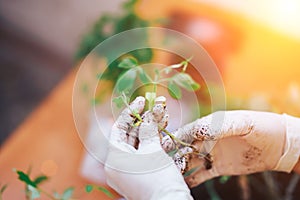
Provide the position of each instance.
(33, 190)
(170, 75)
(176, 78)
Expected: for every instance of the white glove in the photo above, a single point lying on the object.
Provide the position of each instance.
(146, 172)
(241, 142)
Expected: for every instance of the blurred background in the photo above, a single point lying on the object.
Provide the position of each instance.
(38, 42)
(255, 44)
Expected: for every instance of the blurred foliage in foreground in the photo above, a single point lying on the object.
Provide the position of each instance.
(109, 25)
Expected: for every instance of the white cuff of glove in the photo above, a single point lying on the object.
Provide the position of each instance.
(292, 145)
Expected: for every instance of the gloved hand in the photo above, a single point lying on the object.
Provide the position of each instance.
(242, 142)
(146, 172)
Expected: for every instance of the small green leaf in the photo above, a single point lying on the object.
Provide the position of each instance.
(38, 180)
(34, 193)
(68, 193)
(185, 81)
(144, 76)
(128, 63)
(89, 188)
(105, 191)
(186, 174)
(126, 81)
(118, 101)
(150, 97)
(174, 90)
(173, 152)
(25, 178)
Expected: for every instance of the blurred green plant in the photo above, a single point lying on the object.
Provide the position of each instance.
(170, 74)
(109, 25)
(34, 191)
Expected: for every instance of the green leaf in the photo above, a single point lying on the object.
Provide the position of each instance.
(38, 180)
(25, 178)
(173, 152)
(186, 174)
(150, 97)
(68, 193)
(89, 188)
(128, 63)
(185, 81)
(118, 101)
(34, 193)
(126, 81)
(105, 191)
(144, 77)
(174, 90)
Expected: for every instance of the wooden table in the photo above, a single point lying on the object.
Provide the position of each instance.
(48, 142)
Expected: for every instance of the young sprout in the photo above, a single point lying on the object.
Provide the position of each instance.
(176, 78)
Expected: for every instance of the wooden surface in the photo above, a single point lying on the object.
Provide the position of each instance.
(48, 142)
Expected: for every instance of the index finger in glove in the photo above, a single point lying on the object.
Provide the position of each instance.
(153, 121)
(125, 121)
(212, 127)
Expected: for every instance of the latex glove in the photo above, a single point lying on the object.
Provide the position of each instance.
(242, 142)
(147, 172)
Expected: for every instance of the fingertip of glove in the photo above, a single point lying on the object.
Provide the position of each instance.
(138, 104)
(139, 100)
(160, 99)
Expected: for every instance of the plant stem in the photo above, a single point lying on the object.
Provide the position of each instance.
(138, 116)
(46, 193)
(182, 143)
(175, 138)
(195, 150)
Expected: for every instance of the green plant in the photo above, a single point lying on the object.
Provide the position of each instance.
(33, 189)
(176, 78)
(108, 25)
